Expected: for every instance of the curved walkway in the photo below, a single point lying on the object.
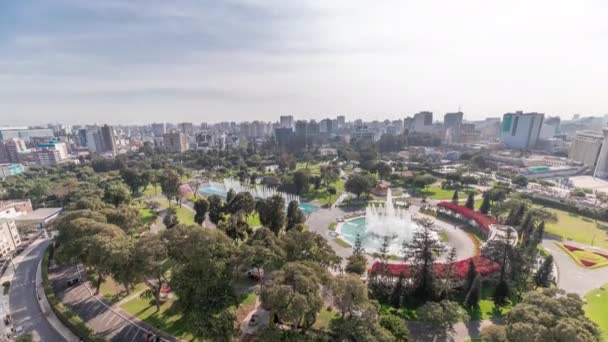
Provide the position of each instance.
(572, 277)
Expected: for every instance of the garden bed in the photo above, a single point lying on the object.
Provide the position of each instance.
(583, 257)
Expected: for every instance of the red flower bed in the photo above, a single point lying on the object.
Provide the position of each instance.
(571, 248)
(587, 263)
(483, 265)
(482, 220)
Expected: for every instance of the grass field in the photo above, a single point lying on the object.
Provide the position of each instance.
(151, 190)
(437, 193)
(487, 310)
(184, 215)
(114, 292)
(578, 228)
(168, 319)
(314, 168)
(147, 215)
(597, 308)
(342, 243)
(322, 196)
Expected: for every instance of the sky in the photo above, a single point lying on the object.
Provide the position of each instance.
(141, 61)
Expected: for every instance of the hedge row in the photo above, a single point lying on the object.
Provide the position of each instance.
(70, 319)
(595, 214)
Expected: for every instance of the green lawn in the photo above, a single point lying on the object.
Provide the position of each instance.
(342, 243)
(437, 193)
(486, 309)
(147, 215)
(332, 226)
(253, 220)
(321, 195)
(168, 319)
(114, 292)
(597, 308)
(151, 190)
(578, 228)
(184, 215)
(314, 168)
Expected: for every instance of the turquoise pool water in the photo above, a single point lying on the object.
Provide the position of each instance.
(351, 228)
(208, 190)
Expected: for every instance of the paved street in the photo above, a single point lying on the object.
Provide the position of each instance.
(110, 322)
(23, 300)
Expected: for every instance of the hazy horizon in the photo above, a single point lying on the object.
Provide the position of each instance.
(135, 62)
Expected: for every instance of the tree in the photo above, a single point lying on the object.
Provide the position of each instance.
(132, 178)
(309, 246)
(194, 185)
(455, 197)
(449, 275)
(272, 213)
(235, 227)
(397, 326)
(550, 315)
(423, 250)
(230, 195)
(293, 293)
(301, 180)
(493, 333)
(515, 215)
(127, 218)
(294, 215)
(501, 292)
(470, 201)
(485, 205)
(471, 275)
(349, 294)
(520, 181)
(201, 206)
(471, 301)
(359, 184)
(329, 173)
(544, 275)
(241, 202)
(117, 194)
(201, 276)
(398, 290)
(261, 253)
(216, 208)
(151, 253)
(383, 169)
(442, 315)
(170, 220)
(357, 262)
(364, 328)
(169, 184)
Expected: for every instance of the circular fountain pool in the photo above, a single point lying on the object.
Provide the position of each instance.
(381, 221)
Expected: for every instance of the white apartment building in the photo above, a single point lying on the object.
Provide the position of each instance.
(9, 236)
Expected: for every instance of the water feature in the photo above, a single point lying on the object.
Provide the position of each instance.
(257, 191)
(381, 220)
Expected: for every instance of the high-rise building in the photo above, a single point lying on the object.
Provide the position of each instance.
(521, 130)
(176, 142)
(452, 123)
(186, 127)
(601, 170)
(9, 236)
(341, 122)
(108, 141)
(422, 122)
(286, 121)
(158, 129)
(11, 149)
(25, 133)
(326, 126)
(586, 147)
(550, 127)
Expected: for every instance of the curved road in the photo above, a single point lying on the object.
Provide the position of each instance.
(23, 301)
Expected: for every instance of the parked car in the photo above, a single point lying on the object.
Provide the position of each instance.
(73, 282)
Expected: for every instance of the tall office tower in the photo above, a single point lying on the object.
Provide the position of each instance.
(521, 130)
(108, 141)
(326, 126)
(452, 123)
(422, 122)
(176, 142)
(586, 147)
(341, 122)
(186, 127)
(601, 170)
(550, 127)
(286, 121)
(158, 129)
(10, 150)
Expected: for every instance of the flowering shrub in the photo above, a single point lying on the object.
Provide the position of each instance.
(583, 257)
(571, 248)
(483, 221)
(484, 266)
(587, 263)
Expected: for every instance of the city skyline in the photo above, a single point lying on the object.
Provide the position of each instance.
(123, 62)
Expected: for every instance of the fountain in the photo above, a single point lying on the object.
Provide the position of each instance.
(380, 221)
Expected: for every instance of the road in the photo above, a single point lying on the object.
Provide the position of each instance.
(23, 301)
